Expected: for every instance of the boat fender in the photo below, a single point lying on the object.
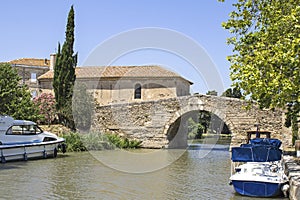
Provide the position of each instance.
(54, 153)
(230, 183)
(44, 154)
(285, 189)
(63, 147)
(3, 159)
(25, 156)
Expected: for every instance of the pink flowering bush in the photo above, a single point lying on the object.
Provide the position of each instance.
(46, 104)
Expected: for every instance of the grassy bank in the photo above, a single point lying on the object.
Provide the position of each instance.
(224, 139)
(91, 141)
(97, 141)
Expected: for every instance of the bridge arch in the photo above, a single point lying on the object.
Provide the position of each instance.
(176, 128)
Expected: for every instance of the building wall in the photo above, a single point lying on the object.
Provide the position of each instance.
(107, 91)
(29, 75)
(182, 88)
(123, 90)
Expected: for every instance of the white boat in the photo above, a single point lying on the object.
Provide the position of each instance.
(22, 139)
(257, 169)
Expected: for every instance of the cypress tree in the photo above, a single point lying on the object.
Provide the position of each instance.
(64, 75)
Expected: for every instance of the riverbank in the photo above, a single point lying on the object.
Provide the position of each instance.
(91, 141)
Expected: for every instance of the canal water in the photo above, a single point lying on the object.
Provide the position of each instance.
(201, 172)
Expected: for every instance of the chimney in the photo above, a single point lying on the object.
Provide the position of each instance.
(52, 61)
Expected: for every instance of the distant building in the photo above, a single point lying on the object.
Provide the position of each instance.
(29, 69)
(112, 84)
(117, 84)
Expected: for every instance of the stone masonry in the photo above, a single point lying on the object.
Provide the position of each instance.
(153, 121)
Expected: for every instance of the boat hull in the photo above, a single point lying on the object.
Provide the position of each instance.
(257, 189)
(29, 151)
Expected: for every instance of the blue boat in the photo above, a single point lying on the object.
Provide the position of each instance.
(261, 173)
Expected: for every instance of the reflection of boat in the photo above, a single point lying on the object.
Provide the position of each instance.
(261, 173)
(22, 139)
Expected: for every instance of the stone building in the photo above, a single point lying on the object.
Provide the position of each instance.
(122, 84)
(29, 69)
(112, 84)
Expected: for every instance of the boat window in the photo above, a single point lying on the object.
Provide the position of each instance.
(24, 130)
(16, 130)
(9, 131)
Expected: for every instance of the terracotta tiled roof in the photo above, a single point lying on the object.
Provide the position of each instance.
(151, 71)
(31, 62)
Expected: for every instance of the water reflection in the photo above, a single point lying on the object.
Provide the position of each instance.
(82, 176)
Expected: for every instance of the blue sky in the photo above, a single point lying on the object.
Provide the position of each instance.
(33, 28)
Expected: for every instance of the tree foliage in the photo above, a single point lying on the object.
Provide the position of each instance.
(233, 93)
(206, 122)
(266, 62)
(195, 130)
(64, 75)
(15, 100)
(212, 92)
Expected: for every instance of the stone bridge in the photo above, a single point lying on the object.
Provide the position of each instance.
(163, 123)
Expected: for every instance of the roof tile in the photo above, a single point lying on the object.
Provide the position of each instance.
(149, 71)
(31, 62)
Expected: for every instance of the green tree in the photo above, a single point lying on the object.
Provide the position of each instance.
(265, 63)
(195, 130)
(15, 100)
(64, 75)
(233, 93)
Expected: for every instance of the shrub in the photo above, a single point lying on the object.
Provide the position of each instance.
(123, 143)
(46, 104)
(74, 142)
(97, 141)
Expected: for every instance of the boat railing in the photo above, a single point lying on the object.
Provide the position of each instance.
(11, 146)
(7, 151)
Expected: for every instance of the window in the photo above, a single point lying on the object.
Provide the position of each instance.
(33, 78)
(33, 93)
(24, 130)
(138, 91)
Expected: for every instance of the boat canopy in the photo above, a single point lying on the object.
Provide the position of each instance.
(259, 150)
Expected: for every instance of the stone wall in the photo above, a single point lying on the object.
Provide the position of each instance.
(151, 121)
(292, 170)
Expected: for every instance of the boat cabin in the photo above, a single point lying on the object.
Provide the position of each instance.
(30, 129)
(21, 127)
(9, 126)
(23, 139)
